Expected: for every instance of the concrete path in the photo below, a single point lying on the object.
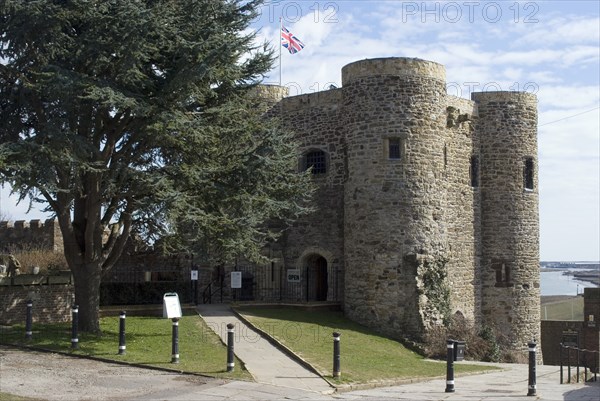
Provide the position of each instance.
(265, 362)
(509, 384)
(55, 377)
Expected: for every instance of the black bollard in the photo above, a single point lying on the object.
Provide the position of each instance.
(230, 360)
(29, 320)
(336, 355)
(532, 380)
(122, 346)
(450, 367)
(74, 327)
(175, 345)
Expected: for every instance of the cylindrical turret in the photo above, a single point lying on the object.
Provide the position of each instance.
(510, 275)
(394, 119)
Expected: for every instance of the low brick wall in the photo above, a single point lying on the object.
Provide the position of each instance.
(51, 300)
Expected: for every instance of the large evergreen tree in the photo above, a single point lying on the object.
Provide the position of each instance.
(131, 116)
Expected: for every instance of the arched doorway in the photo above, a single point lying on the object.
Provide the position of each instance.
(316, 278)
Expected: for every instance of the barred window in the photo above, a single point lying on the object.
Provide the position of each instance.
(394, 148)
(317, 160)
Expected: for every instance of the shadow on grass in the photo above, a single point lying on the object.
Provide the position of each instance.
(328, 321)
(57, 336)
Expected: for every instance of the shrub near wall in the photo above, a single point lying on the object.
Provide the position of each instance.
(51, 302)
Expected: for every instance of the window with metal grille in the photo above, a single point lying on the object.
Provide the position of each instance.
(317, 160)
(394, 148)
(528, 172)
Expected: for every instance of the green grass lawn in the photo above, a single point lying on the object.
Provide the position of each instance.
(569, 309)
(365, 356)
(148, 341)
(12, 397)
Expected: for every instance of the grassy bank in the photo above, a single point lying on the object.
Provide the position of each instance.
(568, 308)
(365, 356)
(148, 341)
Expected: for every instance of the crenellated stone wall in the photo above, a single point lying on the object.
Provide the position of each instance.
(36, 233)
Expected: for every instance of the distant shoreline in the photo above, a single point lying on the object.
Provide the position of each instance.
(585, 274)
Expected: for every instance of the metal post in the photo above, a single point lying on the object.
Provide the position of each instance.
(307, 289)
(175, 342)
(230, 337)
(29, 320)
(450, 367)
(122, 346)
(336, 355)
(569, 364)
(577, 364)
(532, 379)
(561, 363)
(195, 284)
(74, 327)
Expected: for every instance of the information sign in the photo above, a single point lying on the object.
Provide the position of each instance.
(194, 274)
(171, 305)
(293, 275)
(236, 279)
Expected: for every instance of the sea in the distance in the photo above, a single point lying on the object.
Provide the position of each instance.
(557, 283)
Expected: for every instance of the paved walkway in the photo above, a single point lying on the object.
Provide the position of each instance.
(55, 377)
(265, 362)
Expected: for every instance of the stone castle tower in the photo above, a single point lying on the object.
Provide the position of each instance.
(427, 204)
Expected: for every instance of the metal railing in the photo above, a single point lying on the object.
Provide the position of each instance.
(214, 287)
(578, 358)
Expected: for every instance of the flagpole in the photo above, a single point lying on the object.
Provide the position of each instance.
(280, 26)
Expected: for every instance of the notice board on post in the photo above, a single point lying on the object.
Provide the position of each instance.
(171, 305)
(236, 279)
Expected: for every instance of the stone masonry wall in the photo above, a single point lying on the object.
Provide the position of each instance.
(510, 223)
(462, 208)
(394, 207)
(315, 120)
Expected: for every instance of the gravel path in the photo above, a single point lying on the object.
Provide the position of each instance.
(60, 377)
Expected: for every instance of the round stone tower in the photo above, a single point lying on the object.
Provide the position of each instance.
(394, 199)
(510, 276)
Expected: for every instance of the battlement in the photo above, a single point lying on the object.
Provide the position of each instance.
(395, 66)
(38, 233)
(524, 98)
(328, 98)
(270, 93)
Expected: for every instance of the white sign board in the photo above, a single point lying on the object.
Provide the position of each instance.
(236, 279)
(194, 274)
(293, 275)
(171, 305)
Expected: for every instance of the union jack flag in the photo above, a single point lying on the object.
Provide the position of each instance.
(290, 42)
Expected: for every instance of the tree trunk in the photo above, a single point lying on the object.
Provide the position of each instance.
(87, 296)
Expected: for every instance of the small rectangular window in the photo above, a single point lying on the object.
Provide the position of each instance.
(503, 273)
(474, 171)
(528, 173)
(317, 160)
(394, 148)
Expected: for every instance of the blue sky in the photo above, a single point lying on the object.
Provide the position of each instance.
(551, 48)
